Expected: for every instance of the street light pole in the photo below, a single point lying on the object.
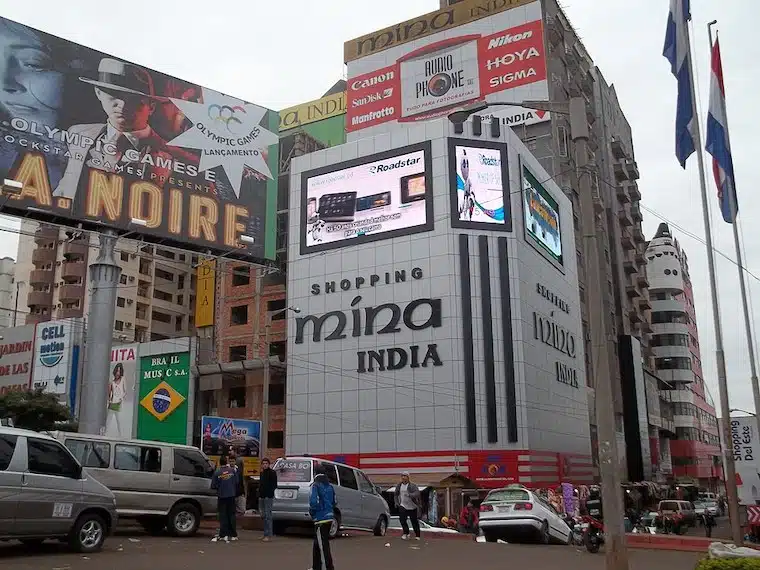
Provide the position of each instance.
(615, 550)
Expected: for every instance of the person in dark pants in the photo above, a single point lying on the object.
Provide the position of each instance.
(408, 500)
(321, 509)
(709, 521)
(267, 486)
(225, 481)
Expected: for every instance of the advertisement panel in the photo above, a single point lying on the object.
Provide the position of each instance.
(163, 393)
(479, 180)
(366, 199)
(16, 355)
(474, 62)
(319, 110)
(205, 293)
(54, 345)
(102, 141)
(219, 434)
(744, 443)
(122, 391)
(541, 215)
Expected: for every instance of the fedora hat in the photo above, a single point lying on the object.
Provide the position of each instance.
(115, 75)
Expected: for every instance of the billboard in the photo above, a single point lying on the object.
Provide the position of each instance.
(101, 141)
(541, 216)
(319, 110)
(164, 389)
(744, 444)
(385, 195)
(219, 434)
(205, 293)
(500, 59)
(16, 355)
(479, 180)
(55, 344)
(122, 391)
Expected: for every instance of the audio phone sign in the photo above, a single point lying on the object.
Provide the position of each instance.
(53, 349)
(451, 71)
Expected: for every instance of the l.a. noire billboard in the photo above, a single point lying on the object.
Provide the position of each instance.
(102, 141)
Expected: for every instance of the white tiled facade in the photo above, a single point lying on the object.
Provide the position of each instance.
(333, 409)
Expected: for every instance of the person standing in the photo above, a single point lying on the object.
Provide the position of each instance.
(239, 464)
(267, 486)
(408, 501)
(225, 481)
(709, 521)
(321, 507)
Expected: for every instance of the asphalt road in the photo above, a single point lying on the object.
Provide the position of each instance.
(130, 551)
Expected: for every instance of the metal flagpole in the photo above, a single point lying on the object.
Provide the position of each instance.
(720, 357)
(739, 262)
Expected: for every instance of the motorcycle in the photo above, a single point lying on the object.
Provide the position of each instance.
(577, 528)
(593, 537)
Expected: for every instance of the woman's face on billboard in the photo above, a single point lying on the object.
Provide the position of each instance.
(30, 86)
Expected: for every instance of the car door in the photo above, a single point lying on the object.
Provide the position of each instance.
(557, 525)
(142, 479)
(372, 504)
(11, 470)
(349, 497)
(191, 477)
(51, 489)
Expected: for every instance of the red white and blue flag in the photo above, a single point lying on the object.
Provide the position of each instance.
(718, 143)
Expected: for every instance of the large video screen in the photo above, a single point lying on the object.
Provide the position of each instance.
(542, 220)
(479, 185)
(371, 198)
(101, 141)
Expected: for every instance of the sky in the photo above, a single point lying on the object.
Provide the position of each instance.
(277, 55)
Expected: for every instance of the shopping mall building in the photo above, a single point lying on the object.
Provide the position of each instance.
(434, 337)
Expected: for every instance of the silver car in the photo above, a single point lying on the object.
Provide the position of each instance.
(358, 504)
(45, 493)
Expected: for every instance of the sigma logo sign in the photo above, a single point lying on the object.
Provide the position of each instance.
(52, 356)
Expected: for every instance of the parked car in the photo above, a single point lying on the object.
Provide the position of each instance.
(515, 513)
(358, 503)
(683, 510)
(161, 485)
(46, 494)
(710, 506)
(425, 528)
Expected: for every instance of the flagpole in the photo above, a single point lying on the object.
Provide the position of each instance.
(732, 494)
(732, 199)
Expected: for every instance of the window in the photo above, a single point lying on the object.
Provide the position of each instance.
(90, 453)
(123, 279)
(181, 281)
(673, 363)
(277, 305)
(364, 484)
(276, 439)
(178, 323)
(137, 458)
(276, 394)
(241, 275)
(162, 295)
(668, 317)
(239, 315)
(167, 276)
(237, 397)
(191, 463)
(238, 353)
(347, 477)
(7, 446)
(562, 141)
(330, 473)
(50, 458)
(289, 471)
(120, 301)
(670, 340)
(124, 256)
(161, 317)
(165, 253)
(118, 325)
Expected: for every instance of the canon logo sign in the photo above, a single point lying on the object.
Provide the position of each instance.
(360, 84)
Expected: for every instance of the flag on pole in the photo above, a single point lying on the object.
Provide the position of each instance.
(718, 144)
(676, 51)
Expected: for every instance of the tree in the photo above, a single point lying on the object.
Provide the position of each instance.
(34, 410)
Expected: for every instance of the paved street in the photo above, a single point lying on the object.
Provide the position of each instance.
(137, 551)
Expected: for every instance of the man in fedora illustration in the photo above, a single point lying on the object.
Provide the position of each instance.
(128, 97)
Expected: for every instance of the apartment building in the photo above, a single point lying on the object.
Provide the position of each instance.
(156, 293)
(695, 449)
(8, 313)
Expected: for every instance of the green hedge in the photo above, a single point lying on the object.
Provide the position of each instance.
(729, 564)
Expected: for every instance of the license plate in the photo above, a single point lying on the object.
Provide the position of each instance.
(285, 494)
(504, 509)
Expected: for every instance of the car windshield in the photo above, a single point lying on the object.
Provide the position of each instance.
(709, 504)
(507, 496)
(293, 471)
(668, 506)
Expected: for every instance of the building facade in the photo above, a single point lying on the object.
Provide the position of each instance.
(8, 312)
(438, 348)
(695, 450)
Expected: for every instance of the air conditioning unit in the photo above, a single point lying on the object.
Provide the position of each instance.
(132, 255)
(57, 263)
(128, 325)
(131, 278)
(56, 285)
(60, 305)
(130, 301)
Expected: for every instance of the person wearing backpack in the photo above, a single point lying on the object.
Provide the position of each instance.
(321, 509)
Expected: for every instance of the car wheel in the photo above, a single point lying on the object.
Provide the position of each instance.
(381, 527)
(543, 536)
(184, 520)
(490, 537)
(88, 534)
(335, 526)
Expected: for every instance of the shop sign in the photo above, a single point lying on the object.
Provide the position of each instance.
(553, 335)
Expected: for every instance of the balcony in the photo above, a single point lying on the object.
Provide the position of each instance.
(618, 150)
(636, 213)
(70, 313)
(555, 31)
(644, 304)
(638, 236)
(635, 193)
(624, 217)
(621, 174)
(74, 270)
(629, 267)
(632, 169)
(74, 249)
(622, 194)
(633, 315)
(39, 299)
(39, 276)
(45, 234)
(626, 240)
(71, 292)
(43, 256)
(632, 291)
(642, 280)
(34, 318)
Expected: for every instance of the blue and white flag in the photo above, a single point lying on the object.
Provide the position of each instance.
(676, 51)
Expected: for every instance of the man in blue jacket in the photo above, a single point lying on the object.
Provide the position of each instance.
(321, 507)
(226, 482)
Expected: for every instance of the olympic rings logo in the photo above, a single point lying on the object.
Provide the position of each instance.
(226, 115)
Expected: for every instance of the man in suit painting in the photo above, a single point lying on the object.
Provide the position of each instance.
(128, 97)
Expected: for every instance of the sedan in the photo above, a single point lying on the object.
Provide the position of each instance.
(425, 528)
(710, 506)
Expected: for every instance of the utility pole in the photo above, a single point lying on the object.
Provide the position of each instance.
(15, 303)
(615, 548)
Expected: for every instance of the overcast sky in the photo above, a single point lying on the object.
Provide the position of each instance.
(280, 54)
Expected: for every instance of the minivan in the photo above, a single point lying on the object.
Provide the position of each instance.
(358, 504)
(683, 508)
(45, 493)
(161, 485)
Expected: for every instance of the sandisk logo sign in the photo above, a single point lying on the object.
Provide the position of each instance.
(360, 84)
(508, 39)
